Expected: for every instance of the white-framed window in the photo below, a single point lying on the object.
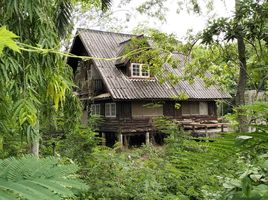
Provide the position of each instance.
(110, 110)
(95, 109)
(139, 70)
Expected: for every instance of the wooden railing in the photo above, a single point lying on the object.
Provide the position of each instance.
(126, 125)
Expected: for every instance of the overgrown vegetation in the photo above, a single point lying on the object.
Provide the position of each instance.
(38, 107)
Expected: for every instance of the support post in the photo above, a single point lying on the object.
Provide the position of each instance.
(126, 141)
(147, 138)
(103, 139)
(206, 131)
(120, 138)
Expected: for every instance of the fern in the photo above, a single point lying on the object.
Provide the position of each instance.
(32, 178)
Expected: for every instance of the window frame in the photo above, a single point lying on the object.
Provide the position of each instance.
(108, 107)
(140, 71)
(95, 109)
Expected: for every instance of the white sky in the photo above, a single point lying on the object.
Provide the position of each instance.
(175, 23)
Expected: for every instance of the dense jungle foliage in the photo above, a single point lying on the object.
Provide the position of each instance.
(40, 116)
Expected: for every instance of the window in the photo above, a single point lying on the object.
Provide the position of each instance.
(186, 109)
(95, 109)
(110, 110)
(97, 84)
(194, 108)
(203, 108)
(138, 70)
(135, 69)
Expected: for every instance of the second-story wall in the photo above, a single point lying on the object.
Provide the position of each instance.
(143, 109)
(88, 79)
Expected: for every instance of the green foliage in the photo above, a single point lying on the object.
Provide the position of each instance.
(129, 175)
(7, 40)
(32, 81)
(250, 23)
(33, 178)
(34, 86)
(78, 144)
(219, 60)
(185, 168)
(250, 182)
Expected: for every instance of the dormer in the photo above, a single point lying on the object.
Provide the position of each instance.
(130, 66)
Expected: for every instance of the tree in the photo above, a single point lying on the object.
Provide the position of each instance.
(32, 178)
(33, 86)
(245, 29)
(247, 26)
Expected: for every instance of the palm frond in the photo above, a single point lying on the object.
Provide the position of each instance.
(31, 178)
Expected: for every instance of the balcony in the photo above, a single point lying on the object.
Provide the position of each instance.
(127, 125)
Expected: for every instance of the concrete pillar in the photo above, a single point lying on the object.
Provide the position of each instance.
(126, 141)
(147, 138)
(120, 138)
(103, 139)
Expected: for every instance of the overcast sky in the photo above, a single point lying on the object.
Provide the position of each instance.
(175, 23)
(125, 18)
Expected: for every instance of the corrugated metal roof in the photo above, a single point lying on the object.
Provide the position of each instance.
(107, 45)
(102, 96)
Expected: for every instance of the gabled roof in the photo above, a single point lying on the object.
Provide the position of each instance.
(108, 44)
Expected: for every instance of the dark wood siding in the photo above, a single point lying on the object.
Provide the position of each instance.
(125, 123)
(125, 109)
(212, 109)
(102, 108)
(171, 111)
(168, 109)
(178, 112)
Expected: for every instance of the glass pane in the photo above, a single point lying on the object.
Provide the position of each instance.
(107, 109)
(98, 109)
(185, 109)
(113, 109)
(195, 108)
(203, 108)
(145, 71)
(135, 70)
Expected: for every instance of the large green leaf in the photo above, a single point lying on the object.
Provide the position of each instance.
(7, 40)
(32, 178)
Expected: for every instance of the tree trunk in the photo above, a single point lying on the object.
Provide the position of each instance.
(242, 80)
(35, 140)
(35, 145)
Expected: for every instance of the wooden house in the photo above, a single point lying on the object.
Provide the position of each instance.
(122, 92)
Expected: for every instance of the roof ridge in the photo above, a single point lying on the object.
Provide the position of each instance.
(125, 41)
(95, 30)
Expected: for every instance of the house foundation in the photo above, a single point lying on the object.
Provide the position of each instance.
(130, 140)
